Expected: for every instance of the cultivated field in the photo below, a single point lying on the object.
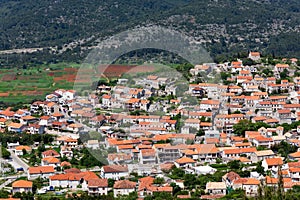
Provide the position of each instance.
(26, 85)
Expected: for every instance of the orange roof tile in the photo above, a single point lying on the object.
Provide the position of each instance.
(115, 168)
(124, 184)
(15, 125)
(294, 169)
(184, 160)
(271, 180)
(125, 147)
(263, 139)
(148, 152)
(98, 183)
(293, 164)
(51, 160)
(22, 184)
(41, 169)
(295, 155)
(28, 117)
(20, 148)
(274, 161)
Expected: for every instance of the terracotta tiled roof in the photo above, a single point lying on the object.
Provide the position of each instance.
(28, 117)
(247, 181)
(282, 65)
(125, 146)
(41, 169)
(124, 184)
(271, 180)
(166, 166)
(274, 161)
(45, 117)
(237, 138)
(263, 139)
(50, 152)
(240, 150)
(145, 182)
(51, 160)
(87, 176)
(185, 160)
(106, 96)
(254, 53)
(98, 183)
(148, 152)
(65, 163)
(232, 176)
(212, 140)
(194, 121)
(72, 170)
(295, 155)
(118, 156)
(284, 111)
(20, 148)
(243, 159)
(272, 120)
(22, 184)
(294, 164)
(161, 189)
(15, 125)
(294, 169)
(115, 168)
(264, 153)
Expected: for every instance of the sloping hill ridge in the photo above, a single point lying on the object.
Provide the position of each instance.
(223, 26)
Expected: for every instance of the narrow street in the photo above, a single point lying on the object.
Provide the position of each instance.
(18, 162)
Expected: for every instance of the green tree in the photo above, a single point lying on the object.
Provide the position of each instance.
(5, 153)
(4, 193)
(190, 181)
(246, 125)
(159, 180)
(111, 182)
(284, 148)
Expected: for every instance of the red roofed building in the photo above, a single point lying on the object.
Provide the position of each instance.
(40, 171)
(272, 164)
(123, 187)
(50, 161)
(263, 141)
(250, 185)
(184, 162)
(254, 56)
(72, 180)
(229, 178)
(50, 153)
(98, 187)
(114, 171)
(147, 156)
(280, 67)
(21, 186)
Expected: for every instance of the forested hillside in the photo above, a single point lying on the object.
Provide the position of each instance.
(223, 26)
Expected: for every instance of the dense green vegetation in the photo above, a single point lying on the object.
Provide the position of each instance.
(25, 139)
(284, 148)
(246, 125)
(225, 27)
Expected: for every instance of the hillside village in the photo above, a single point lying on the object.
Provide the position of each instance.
(145, 142)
